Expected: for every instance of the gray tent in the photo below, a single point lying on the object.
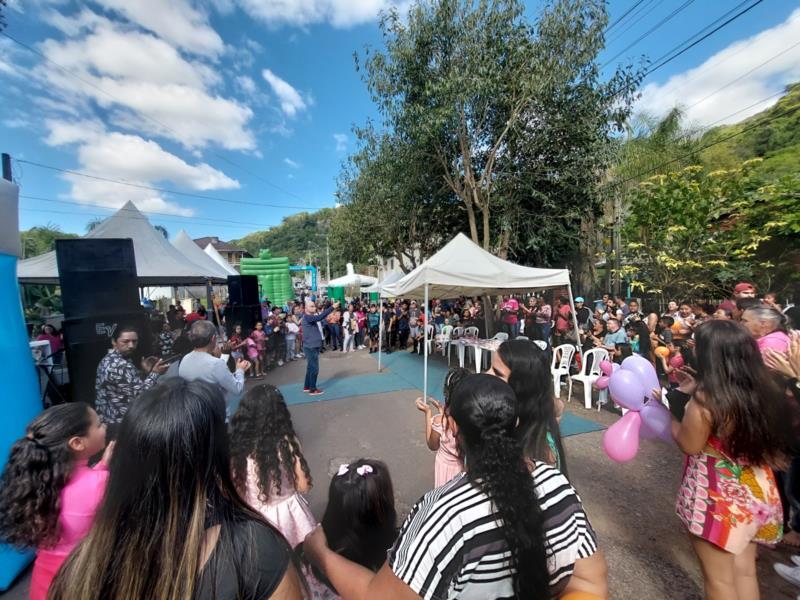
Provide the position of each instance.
(157, 261)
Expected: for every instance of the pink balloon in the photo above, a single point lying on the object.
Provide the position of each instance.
(644, 369)
(601, 383)
(607, 367)
(657, 421)
(627, 390)
(621, 440)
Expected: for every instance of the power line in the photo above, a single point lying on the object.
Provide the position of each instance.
(649, 31)
(621, 18)
(149, 212)
(145, 116)
(741, 110)
(705, 147)
(66, 212)
(649, 7)
(743, 75)
(158, 189)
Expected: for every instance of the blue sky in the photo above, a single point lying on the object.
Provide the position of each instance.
(251, 102)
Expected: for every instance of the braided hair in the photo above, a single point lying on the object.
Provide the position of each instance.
(485, 411)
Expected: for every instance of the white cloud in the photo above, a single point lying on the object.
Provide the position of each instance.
(291, 163)
(341, 141)
(146, 84)
(246, 84)
(696, 89)
(132, 159)
(176, 21)
(290, 99)
(301, 13)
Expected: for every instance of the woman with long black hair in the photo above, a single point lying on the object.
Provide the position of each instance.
(503, 529)
(172, 525)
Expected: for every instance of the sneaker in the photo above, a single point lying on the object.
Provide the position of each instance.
(306, 390)
(316, 392)
(790, 574)
(280, 363)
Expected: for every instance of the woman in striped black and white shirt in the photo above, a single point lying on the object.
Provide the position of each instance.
(497, 531)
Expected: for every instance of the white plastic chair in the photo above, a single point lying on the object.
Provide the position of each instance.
(457, 333)
(540, 343)
(500, 335)
(589, 375)
(444, 339)
(471, 332)
(522, 337)
(430, 332)
(559, 367)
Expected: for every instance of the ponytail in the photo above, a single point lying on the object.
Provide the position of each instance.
(484, 409)
(38, 468)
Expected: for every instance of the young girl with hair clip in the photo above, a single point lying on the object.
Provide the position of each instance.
(269, 468)
(48, 492)
(441, 440)
(360, 521)
(521, 529)
(736, 426)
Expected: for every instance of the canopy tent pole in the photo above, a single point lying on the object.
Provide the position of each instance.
(575, 322)
(425, 370)
(380, 329)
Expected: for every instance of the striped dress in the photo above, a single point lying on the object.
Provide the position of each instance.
(452, 547)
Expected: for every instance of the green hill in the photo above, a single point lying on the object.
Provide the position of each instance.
(777, 141)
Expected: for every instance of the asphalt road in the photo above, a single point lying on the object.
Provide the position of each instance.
(630, 506)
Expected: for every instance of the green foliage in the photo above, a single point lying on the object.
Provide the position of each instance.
(777, 141)
(41, 301)
(38, 240)
(695, 232)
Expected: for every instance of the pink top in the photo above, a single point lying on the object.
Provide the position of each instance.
(80, 500)
(777, 340)
(512, 306)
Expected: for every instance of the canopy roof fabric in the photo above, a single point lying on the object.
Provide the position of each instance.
(193, 252)
(463, 268)
(379, 286)
(217, 258)
(351, 279)
(157, 261)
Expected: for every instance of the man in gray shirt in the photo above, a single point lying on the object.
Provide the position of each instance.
(203, 363)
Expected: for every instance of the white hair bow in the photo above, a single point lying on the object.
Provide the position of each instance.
(364, 469)
(343, 470)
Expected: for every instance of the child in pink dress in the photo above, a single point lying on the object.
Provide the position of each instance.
(260, 338)
(268, 465)
(47, 475)
(438, 435)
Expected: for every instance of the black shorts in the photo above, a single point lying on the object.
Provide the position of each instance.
(373, 333)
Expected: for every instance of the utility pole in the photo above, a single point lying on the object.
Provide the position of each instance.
(6, 167)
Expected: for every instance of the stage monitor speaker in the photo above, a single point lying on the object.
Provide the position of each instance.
(86, 342)
(242, 290)
(247, 316)
(97, 277)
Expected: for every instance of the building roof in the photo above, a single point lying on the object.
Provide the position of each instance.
(218, 244)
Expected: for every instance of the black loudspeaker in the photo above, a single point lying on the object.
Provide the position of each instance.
(97, 277)
(247, 316)
(242, 289)
(86, 341)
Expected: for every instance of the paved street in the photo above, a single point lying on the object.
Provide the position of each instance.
(630, 506)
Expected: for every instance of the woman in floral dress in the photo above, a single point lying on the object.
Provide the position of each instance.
(735, 428)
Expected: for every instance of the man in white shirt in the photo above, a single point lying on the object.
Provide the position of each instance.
(204, 363)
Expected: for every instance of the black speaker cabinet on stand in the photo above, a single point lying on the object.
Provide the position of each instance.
(242, 290)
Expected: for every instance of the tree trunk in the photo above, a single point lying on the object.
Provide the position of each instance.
(487, 235)
(473, 225)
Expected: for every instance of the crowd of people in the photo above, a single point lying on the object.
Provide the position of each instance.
(161, 468)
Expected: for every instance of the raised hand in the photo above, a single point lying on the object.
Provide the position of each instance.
(423, 406)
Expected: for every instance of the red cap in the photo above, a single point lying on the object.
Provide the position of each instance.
(743, 286)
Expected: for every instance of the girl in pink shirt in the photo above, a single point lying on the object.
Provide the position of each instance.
(48, 493)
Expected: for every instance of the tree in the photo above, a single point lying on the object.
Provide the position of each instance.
(693, 233)
(475, 88)
(38, 240)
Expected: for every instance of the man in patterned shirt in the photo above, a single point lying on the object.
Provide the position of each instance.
(118, 381)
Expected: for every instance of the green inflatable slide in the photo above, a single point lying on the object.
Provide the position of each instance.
(274, 280)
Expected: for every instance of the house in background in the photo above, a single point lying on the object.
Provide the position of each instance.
(231, 253)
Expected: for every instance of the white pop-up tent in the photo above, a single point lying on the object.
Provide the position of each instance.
(463, 268)
(157, 261)
(217, 258)
(192, 251)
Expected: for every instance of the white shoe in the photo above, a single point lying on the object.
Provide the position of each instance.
(790, 574)
(280, 363)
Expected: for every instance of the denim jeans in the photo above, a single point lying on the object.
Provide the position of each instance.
(290, 340)
(336, 335)
(312, 367)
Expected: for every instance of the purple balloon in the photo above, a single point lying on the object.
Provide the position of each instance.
(621, 440)
(602, 382)
(627, 390)
(615, 367)
(657, 421)
(607, 367)
(644, 369)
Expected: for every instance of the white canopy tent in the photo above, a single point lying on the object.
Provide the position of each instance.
(157, 261)
(463, 268)
(217, 258)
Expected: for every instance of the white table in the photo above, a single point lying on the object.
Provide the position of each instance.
(479, 346)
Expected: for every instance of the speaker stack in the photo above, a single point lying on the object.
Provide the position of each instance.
(243, 307)
(100, 294)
